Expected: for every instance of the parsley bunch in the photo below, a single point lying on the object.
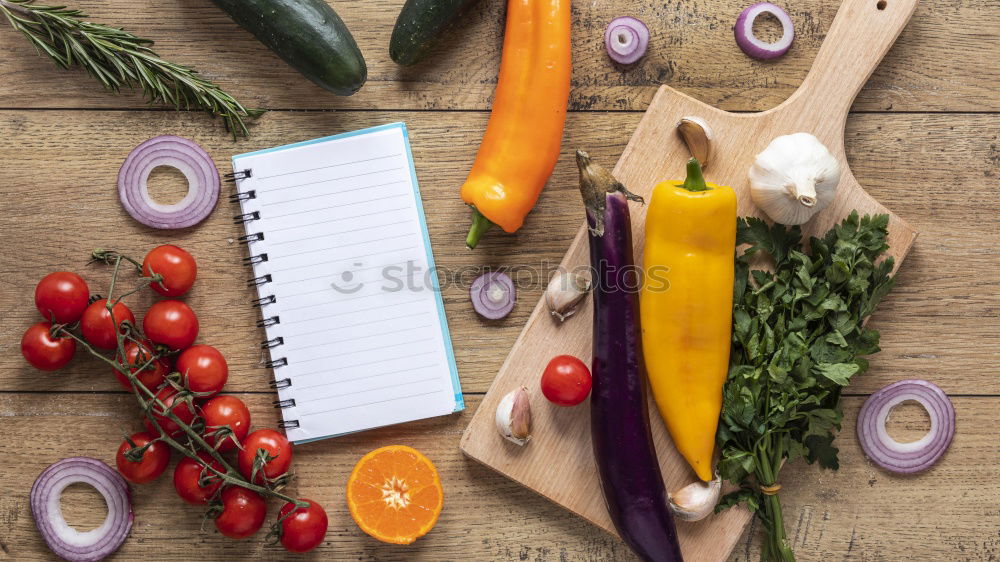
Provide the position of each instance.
(798, 338)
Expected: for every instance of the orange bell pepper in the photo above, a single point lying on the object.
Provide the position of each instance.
(524, 133)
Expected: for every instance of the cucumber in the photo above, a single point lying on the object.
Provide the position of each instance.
(306, 34)
(419, 26)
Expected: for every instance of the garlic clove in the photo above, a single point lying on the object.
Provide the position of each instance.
(697, 500)
(698, 137)
(513, 417)
(564, 294)
(794, 178)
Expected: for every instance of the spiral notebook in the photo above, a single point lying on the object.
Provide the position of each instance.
(356, 332)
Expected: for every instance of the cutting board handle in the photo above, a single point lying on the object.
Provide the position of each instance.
(861, 34)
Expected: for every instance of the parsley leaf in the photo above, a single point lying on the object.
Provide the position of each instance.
(798, 338)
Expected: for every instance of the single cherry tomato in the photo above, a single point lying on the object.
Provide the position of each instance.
(98, 328)
(62, 296)
(171, 323)
(175, 265)
(275, 444)
(44, 351)
(154, 459)
(189, 475)
(182, 410)
(305, 529)
(204, 369)
(229, 411)
(566, 381)
(137, 355)
(243, 513)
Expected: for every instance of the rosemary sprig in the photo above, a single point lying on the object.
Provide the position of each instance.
(117, 59)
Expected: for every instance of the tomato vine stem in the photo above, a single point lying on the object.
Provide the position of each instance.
(149, 400)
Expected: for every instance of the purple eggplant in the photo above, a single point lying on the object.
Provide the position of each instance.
(619, 419)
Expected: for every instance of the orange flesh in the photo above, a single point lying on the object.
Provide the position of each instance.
(395, 494)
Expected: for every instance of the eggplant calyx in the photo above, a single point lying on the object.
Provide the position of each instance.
(596, 183)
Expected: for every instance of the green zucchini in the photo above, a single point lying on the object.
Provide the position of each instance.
(419, 26)
(306, 34)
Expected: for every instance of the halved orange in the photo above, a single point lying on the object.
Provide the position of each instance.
(395, 494)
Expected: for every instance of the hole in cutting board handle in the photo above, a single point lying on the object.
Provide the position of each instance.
(881, 4)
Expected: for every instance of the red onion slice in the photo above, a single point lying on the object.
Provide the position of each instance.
(626, 39)
(906, 458)
(493, 295)
(756, 48)
(65, 541)
(183, 154)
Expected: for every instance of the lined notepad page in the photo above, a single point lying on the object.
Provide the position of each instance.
(363, 337)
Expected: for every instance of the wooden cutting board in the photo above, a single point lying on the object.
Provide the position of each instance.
(558, 463)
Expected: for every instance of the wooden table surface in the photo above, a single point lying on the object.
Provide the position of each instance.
(922, 138)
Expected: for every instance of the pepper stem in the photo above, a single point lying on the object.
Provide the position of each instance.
(480, 224)
(694, 181)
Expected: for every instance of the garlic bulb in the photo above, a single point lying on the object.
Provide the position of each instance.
(794, 178)
(513, 416)
(565, 292)
(697, 500)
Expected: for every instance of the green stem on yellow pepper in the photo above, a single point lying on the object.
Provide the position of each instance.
(694, 181)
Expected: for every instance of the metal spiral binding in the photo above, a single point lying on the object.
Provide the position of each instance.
(241, 196)
(272, 343)
(240, 175)
(254, 260)
(255, 237)
(284, 404)
(275, 363)
(265, 322)
(246, 217)
(258, 281)
(280, 384)
(261, 302)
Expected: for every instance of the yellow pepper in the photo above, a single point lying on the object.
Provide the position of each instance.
(686, 308)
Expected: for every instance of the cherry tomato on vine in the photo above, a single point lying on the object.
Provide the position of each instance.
(305, 529)
(204, 369)
(188, 475)
(182, 410)
(137, 355)
(44, 351)
(275, 444)
(566, 381)
(154, 460)
(177, 267)
(226, 410)
(243, 513)
(62, 295)
(98, 328)
(171, 323)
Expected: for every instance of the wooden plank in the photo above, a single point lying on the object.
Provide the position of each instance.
(944, 60)
(942, 322)
(857, 513)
